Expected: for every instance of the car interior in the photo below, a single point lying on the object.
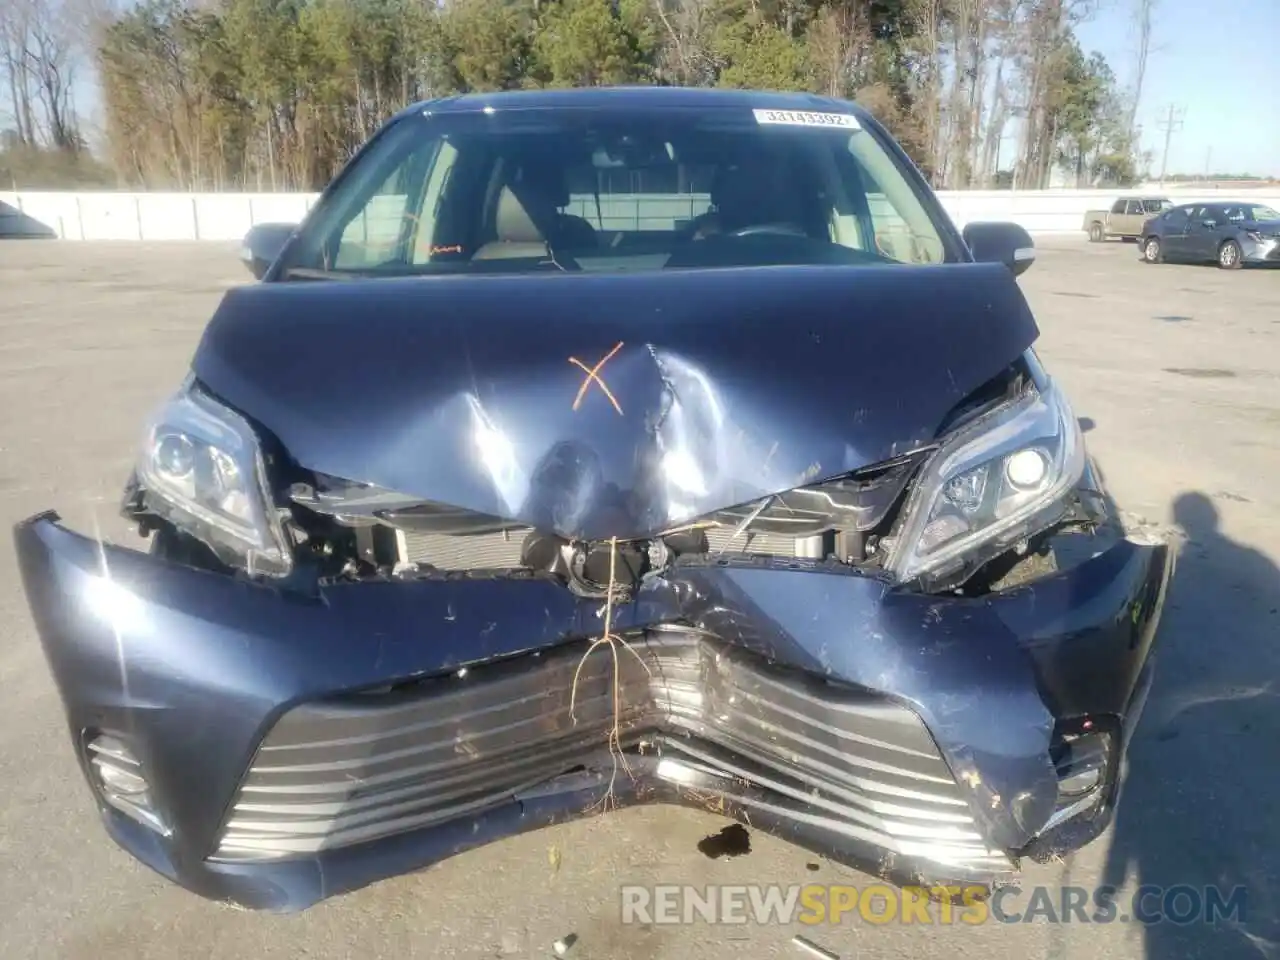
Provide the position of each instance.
(615, 200)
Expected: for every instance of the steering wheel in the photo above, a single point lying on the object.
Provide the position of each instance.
(782, 229)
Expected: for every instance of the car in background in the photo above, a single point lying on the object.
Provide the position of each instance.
(1125, 219)
(1228, 234)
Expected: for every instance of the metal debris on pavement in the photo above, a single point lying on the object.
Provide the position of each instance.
(812, 949)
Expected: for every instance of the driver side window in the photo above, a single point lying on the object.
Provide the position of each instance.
(397, 222)
(374, 234)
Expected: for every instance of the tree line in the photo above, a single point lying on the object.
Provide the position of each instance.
(277, 94)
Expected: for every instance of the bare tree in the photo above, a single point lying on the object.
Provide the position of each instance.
(928, 18)
(1144, 11)
(40, 47)
(687, 24)
(14, 20)
(838, 41)
(52, 60)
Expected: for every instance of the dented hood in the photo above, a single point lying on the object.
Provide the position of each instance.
(719, 387)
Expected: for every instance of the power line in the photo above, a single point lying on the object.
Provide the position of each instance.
(1169, 123)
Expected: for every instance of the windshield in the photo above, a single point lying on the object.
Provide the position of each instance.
(565, 189)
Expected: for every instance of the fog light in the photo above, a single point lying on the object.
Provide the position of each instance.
(1081, 763)
(119, 781)
(1076, 784)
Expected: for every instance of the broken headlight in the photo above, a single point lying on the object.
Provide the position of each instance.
(201, 468)
(994, 483)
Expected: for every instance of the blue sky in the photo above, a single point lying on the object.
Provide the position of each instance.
(1215, 59)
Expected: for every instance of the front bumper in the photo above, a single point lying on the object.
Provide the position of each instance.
(1264, 252)
(299, 747)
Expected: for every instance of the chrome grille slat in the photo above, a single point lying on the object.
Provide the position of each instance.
(863, 816)
(441, 775)
(335, 773)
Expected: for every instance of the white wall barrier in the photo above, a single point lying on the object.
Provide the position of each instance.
(228, 216)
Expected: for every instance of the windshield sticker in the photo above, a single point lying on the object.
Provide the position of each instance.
(802, 118)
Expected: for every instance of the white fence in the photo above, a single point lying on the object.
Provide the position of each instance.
(228, 216)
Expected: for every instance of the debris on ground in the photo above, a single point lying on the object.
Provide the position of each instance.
(812, 949)
(733, 841)
(564, 944)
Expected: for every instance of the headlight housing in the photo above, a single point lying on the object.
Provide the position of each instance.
(995, 482)
(201, 467)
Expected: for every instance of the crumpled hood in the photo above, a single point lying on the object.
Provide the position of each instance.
(725, 385)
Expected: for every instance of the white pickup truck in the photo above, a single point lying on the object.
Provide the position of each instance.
(1124, 219)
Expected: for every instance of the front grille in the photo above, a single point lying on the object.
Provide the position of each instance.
(501, 550)
(338, 773)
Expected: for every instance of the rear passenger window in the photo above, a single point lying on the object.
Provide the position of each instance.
(656, 199)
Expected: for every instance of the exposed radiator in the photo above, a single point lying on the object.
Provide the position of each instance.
(501, 550)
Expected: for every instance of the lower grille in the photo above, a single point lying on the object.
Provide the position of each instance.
(338, 773)
(501, 550)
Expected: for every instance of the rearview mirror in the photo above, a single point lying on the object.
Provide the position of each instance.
(1005, 243)
(263, 244)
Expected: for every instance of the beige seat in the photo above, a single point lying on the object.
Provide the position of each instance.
(518, 238)
(536, 197)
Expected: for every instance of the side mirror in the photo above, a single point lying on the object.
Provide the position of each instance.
(1005, 243)
(263, 244)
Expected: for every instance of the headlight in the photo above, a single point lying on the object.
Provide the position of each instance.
(996, 482)
(201, 467)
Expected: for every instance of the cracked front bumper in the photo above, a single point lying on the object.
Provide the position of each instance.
(298, 747)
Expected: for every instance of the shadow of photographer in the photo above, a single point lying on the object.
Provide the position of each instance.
(1201, 802)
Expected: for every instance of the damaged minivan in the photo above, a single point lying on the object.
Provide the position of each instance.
(593, 448)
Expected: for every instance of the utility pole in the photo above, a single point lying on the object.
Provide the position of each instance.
(1169, 123)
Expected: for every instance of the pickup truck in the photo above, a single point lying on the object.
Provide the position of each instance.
(1124, 219)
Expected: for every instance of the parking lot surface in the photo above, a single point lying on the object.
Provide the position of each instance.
(1175, 371)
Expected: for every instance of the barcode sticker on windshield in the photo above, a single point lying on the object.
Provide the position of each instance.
(802, 118)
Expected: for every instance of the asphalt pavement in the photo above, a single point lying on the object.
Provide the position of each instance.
(1175, 371)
